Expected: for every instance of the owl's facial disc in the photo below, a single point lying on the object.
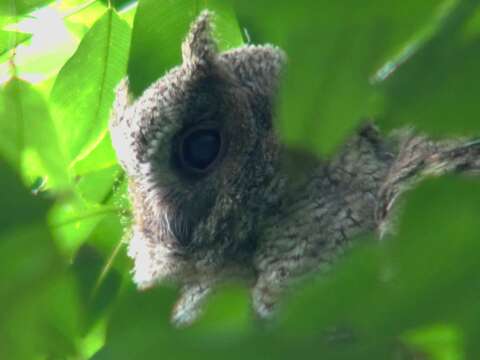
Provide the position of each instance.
(199, 148)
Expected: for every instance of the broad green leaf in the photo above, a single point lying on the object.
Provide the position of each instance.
(73, 221)
(159, 29)
(98, 186)
(26, 127)
(99, 194)
(84, 91)
(333, 49)
(101, 157)
(10, 39)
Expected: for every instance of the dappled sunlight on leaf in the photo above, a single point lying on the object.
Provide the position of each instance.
(81, 113)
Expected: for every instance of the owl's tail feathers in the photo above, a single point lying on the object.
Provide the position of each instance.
(418, 158)
(464, 158)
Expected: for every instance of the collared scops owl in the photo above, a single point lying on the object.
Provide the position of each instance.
(213, 191)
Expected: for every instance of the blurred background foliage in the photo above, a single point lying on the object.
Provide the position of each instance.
(65, 287)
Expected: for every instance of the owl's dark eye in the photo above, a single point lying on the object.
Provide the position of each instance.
(199, 148)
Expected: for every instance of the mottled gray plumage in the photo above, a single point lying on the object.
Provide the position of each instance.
(247, 215)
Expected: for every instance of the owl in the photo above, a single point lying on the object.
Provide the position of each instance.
(216, 196)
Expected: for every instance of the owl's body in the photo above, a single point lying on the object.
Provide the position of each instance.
(217, 197)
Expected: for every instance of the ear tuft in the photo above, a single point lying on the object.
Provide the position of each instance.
(200, 46)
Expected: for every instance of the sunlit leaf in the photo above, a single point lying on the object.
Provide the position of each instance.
(84, 90)
(441, 342)
(97, 186)
(73, 221)
(99, 194)
(10, 39)
(101, 157)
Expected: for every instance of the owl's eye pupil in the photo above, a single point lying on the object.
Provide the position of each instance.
(200, 148)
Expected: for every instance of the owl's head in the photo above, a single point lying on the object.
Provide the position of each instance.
(200, 152)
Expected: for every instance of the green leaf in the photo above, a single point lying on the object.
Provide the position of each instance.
(227, 314)
(84, 90)
(435, 90)
(101, 157)
(99, 195)
(73, 221)
(333, 49)
(132, 333)
(26, 127)
(10, 39)
(159, 29)
(95, 295)
(35, 290)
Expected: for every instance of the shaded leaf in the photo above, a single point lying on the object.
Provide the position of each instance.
(26, 125)
(95, 295)
(132, 333)
(35, 291)
(159, 29)
(333, 49)
(436, 90)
